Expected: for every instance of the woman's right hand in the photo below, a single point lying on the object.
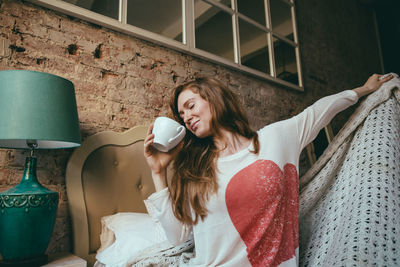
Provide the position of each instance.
(158, 161)
(373, 83)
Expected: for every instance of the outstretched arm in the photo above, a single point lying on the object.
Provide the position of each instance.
(318, 115)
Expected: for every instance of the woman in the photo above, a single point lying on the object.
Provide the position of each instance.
(234, 188)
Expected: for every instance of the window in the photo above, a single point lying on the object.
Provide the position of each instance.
(213, 30)
(109, 8)
(159, 16)
(257, 36)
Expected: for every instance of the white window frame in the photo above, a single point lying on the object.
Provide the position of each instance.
(188, 33)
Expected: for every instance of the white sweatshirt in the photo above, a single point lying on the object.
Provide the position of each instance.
(253, 218)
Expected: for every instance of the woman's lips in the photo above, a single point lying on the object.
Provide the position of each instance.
(194, 126)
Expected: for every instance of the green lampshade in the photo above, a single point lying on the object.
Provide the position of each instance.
(37, 106)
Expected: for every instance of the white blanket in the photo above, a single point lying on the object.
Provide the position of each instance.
(350, 198)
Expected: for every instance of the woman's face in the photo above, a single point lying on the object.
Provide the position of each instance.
(195, 112)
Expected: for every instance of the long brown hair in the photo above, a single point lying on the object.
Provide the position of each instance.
(195, 165)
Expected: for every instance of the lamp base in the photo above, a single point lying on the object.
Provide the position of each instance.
(27, 216)
(34, 262)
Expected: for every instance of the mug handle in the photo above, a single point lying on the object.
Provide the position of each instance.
(181, 130)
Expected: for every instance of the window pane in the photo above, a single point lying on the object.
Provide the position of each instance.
(253, 9)
(281, 18)
(213, 30)
(253, 47)
(107, 8)
(285, 61)
(160, 16)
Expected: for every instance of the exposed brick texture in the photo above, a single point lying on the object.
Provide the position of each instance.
(121, 81)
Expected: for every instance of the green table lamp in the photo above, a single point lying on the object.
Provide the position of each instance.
(37, 111)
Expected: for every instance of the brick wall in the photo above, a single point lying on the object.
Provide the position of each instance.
(121, 81)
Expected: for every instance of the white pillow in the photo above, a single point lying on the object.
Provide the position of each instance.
(125, 234)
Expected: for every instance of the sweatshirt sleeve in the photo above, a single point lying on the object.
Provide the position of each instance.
(160, 208)
(317, 116)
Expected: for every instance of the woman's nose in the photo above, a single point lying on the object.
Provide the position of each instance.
(187, 117)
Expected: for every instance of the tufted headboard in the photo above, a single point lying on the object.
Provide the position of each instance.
(106, 175)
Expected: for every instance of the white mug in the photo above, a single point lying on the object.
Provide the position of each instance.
(167, 133)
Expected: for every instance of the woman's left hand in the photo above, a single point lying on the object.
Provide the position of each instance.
(372, 84)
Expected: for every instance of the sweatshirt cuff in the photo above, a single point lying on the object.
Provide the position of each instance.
(353, 96)
(160, 194)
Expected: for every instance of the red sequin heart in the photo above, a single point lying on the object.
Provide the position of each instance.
(262, 202)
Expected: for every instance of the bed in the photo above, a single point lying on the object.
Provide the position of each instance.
(108, 174)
